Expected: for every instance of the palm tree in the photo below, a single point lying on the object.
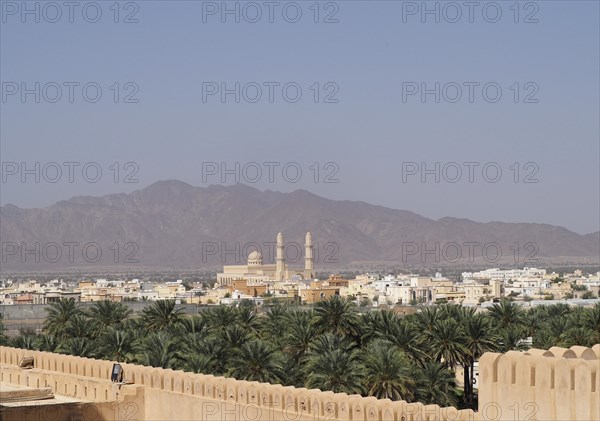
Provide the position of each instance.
(462, 313)
(247, 318)
(426, 319)
(161, 314)
(478, 339)
(3, 340)
(256, 361)
(447, 343)
(235, 336)
(454, 311)
(507, 314)
(191, 343)
(337, 370)
(329, 342)
(136, 327)
(193, 324)
(534, 319)
(298, 340)
(511, 340)
(79, 326)
(558, 310)
(542, 339)
(578, 336)
(556, 327)
(338, 316)
(59, 315)
(79, 347)
(388, 373)
(106, 314)
(371, 326)
(212, 349)
(48, 343)
(295, 371)
(297, 317)
(198, 363)
(26, 340)
(274, 324)
(159, 350)
(220, 317)
(405, 336)
(592, 321)
(436, 385)
(117, 345)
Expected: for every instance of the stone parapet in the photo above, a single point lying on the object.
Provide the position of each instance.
(173, 394)
(558, 384)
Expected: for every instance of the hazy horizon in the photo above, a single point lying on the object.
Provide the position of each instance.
(365, 69)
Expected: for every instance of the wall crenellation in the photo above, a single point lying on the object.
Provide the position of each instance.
(70, 376)
(542, 384)
(559, 383)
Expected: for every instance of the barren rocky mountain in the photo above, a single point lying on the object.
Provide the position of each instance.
(172, 224)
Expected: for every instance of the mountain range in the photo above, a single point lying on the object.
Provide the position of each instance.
(171, 224)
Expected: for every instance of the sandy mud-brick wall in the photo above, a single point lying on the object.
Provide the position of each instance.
(164, 394)
(179, 395)
(84, 379)
(557, 384)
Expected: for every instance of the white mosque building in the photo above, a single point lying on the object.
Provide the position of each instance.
(255, 271)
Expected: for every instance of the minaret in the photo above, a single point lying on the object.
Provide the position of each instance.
(279, 262)
(308, 257)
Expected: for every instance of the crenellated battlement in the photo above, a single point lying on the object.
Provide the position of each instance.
(557, 384)
(560, 384)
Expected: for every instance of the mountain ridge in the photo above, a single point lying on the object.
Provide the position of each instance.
(172, 222)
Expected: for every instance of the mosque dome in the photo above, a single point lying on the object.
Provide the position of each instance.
(255, 258)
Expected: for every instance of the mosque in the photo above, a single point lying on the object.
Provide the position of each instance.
(255, 271)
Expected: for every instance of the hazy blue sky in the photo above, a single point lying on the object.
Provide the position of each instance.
(373, 50)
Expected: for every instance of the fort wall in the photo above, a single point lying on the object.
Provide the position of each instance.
(559, 384)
